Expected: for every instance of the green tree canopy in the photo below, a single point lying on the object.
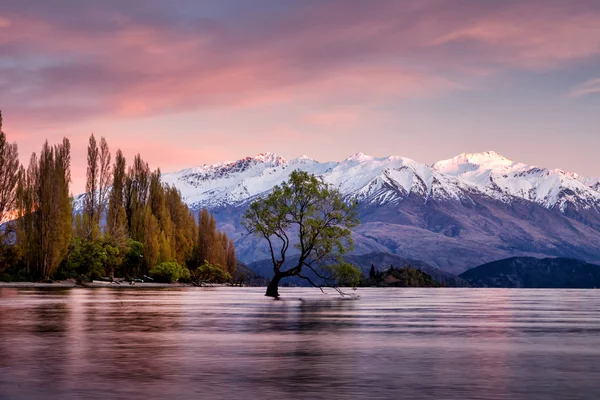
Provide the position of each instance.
(316, 216)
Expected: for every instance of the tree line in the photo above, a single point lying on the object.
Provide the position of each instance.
(127, 223)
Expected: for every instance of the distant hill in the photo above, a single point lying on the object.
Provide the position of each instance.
(381, 261)
(399, 277)
(529, 272)
(248, 277)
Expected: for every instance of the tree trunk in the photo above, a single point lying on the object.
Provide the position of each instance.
(272, 289)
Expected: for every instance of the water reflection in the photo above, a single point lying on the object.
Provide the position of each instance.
(233, 342)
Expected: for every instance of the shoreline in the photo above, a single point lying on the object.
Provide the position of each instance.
(100, 284)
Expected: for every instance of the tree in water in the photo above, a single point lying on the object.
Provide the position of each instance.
(321, 221)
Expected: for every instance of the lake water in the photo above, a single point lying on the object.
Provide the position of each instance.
(230, 343)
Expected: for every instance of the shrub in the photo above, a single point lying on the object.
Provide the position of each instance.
(211, 274)
(186, 276)
(168, 272)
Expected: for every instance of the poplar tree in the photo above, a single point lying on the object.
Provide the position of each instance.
(184, 227)
(231, 258)
(206, 236)
(46, 220)
(116, 219)
(137, 184)
(27, 204)
(91, 190)
(9, 174)
(103, 178)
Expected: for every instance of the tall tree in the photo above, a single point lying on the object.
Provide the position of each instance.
(103, 177)
(116, 219)
(321, 221)
(206, 236)
(231, 258)
(184, 226)
(44, 204)
(137, 185)
(91, 189)
(9, 174)
(27, 204)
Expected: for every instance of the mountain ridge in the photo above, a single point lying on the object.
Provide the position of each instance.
(529, 272)
(366, 177)
(454, 214)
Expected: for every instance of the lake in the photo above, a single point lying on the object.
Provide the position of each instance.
(228, 343)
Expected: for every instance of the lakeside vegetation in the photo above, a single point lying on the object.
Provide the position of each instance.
(398, 277)
(127, 224)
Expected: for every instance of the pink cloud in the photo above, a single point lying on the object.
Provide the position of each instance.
(325, 65)
(587, 88)
(132, 67)
(533, 37)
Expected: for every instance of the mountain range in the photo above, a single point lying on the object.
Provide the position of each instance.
(455, 214)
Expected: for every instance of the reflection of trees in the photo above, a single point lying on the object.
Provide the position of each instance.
(33, 337)
(125, 339)
(303, 345)
(50, 329)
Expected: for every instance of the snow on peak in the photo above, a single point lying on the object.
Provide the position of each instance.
(389, 179)
(360, 157)
(470, 161)
(498, 176)
(303, 159)
(269, 158)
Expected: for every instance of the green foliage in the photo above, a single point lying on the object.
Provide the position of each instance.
(95, 258)
(400, 277)
(169, 272)
(116, 218)
(209, 273)
(147, 221)
(134, 257)
(345, 274)
(45, 211)
(186, 276)
(317, 214)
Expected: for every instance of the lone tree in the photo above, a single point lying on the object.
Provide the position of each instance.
(309, 210)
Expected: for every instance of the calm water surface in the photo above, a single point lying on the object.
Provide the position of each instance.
(234, 343)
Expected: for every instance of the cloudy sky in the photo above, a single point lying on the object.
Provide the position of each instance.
(188, 82)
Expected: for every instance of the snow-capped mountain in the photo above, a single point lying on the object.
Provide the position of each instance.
(390, 180)
(454, 214)
(498, 176)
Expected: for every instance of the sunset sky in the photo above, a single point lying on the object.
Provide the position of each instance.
(188, 82)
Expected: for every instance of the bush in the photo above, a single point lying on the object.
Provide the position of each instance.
(211, 274)
(169, 272)
(186, 276)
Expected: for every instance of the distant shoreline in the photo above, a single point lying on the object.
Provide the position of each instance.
(122, 285)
